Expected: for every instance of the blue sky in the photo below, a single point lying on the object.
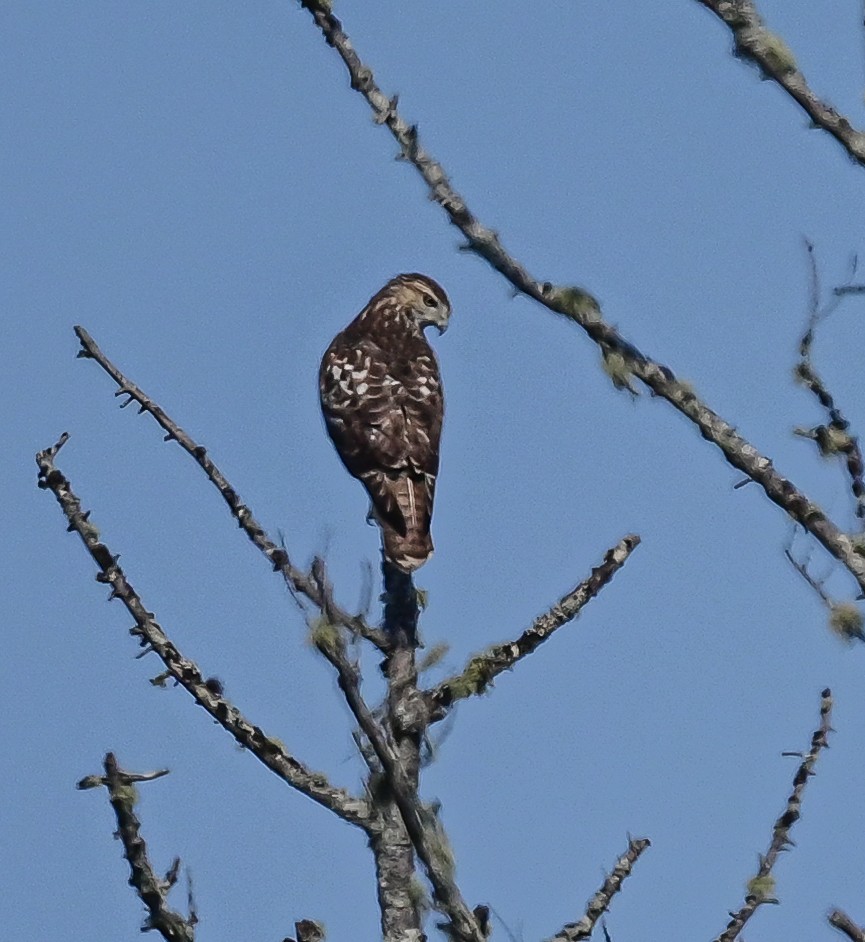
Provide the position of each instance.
(197, 185)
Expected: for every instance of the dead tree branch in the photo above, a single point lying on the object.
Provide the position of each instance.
(753, 42)
(761, 887)
(401, 900)
(270, 751)
(421, 826)
(833, 439)
(407, 721)
(845, 619)
(94, 781)
(482, 669)
(579, 306)
(600, 902)
(151, 889)
(308, 931)
(297, 581)
(840, 920)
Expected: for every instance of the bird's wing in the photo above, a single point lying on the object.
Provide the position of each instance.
(385, 420)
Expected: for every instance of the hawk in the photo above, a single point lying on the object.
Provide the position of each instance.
(381, 396)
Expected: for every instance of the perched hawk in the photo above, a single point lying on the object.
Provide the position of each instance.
(382, 400)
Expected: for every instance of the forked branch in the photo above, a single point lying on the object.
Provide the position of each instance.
(270, 751)
(834, 439)
(152, 890)
(422, 827)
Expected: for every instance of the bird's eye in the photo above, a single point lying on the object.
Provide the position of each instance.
(430, 301)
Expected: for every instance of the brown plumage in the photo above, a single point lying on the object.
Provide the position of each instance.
(382, 400)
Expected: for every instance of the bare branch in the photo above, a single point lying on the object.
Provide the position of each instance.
(840, 920)
(402, 898)
(845, 618)
(297, 581)
(94, 781)
(309, 931)
(833, 439)
(752, 41)
(422, 827)
(482, 669)
(151, 889)
(761, 887)
(577, 305)
(406, 715)
(802, 569)
(271, 752)
(600, 902)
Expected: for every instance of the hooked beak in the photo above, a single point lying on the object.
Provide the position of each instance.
(440, 321)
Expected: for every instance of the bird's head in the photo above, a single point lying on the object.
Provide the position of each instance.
(422, 298)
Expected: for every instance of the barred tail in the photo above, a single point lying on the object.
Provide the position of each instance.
(403, 508)
(407, 552)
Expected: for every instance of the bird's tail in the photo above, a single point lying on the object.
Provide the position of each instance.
(403, 509)
(407, 552)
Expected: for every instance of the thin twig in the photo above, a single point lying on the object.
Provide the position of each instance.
(845, 617)
(297, 580)
(771, 54)
(840, 920)
(834, 438)
(94, 781)
(577, 305)
(483, 668)
(271, 752)
(761, 886)
(815, 584)
(151, 889)
(600, 902)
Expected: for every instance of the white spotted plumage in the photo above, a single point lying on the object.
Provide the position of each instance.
(383, 406)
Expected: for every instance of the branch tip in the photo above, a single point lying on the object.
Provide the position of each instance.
(761, 887)
(482, 669)
(600, 902)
